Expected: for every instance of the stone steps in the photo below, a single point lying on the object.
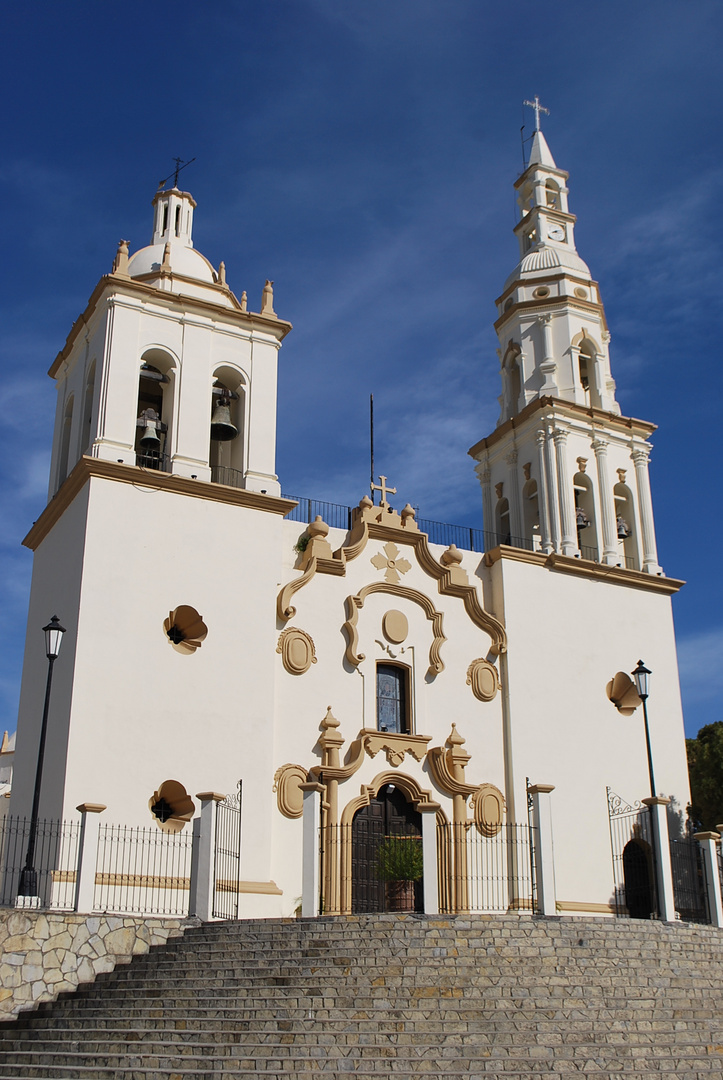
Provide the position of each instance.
(459, 997)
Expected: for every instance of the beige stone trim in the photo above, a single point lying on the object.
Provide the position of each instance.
(656, 800)
(354, 604)
(288, 780)
(206, 796)
(143, 881)
(394, 746)
(484, 678)
(279, 328)
(582, 905)
(706, 836)
(618, 575)
(588, 307)
(159, 481)
(548, 279)
(266, 888)
(91, 808)
(297, 650)
(540, 789)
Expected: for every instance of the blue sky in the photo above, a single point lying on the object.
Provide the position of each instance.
(362, 155)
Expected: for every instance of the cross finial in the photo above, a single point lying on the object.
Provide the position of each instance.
(384, 489)
(538, 109)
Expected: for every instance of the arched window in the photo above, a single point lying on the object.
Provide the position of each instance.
(65, 441)
(226, 453)
(625, 524)
(552, 195)
(154, 410)
(393, 698)
(587, 361)
(86, 433)
(585, 515)
(531, 515)
(502, 521)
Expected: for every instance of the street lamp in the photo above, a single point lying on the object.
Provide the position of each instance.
(641, 674)
(29, 877)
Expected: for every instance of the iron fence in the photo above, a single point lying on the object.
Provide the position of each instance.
(336, 515)
(227, 857)
(55, 860)
(222, 474)
(152, 459)
(142, 871)
(635, 892)
(482, 874)
(689, 884)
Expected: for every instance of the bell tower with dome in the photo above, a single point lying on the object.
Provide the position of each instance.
(564, 472)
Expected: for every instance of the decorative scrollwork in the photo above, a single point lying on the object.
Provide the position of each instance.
(297, 650)
(287, 785)
(484, 679)
(618, 806)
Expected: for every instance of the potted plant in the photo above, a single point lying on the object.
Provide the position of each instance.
(400, 863)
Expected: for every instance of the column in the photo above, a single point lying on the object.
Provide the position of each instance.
(488, 521)
(203, 885)
(516, 529)
(548, 367)
(552, 492)
(311, 828)
(640, 458)
(87, 856)
(567, 502)
(708, 842)
(544, 848)
(611, 555)
(661, 842)
(542, 500)
(429, 852)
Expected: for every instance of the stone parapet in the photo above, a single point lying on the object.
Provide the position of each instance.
(43, 953)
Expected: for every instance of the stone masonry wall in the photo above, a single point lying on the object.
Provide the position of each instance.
(43, 953)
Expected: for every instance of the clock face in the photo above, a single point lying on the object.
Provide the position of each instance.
(556, 232)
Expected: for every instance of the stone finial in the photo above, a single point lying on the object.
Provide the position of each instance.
(267, 300)
(622, 473)
(365, 502)
(318, 546)
(408, 514)
(498, 489)
(222, 274)
(120, 263)
(451, 560)
(582, 463)
(318, 527)
(244, 301)
(452, 556)
(330, 740)
(527, 469)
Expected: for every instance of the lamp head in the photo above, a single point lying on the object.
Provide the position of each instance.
(53, 637)
(641, 674)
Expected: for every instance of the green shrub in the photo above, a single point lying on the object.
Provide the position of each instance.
(400, 858)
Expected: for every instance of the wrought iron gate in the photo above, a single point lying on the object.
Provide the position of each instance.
(227, 857)
(689, 885)
(633, 850)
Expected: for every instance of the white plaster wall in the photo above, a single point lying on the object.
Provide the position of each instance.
(568, 636)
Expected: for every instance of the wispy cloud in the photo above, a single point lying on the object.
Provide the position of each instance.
(700, 660)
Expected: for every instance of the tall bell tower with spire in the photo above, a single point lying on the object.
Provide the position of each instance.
(564, 472)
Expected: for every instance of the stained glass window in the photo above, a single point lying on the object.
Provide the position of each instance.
(392, 698)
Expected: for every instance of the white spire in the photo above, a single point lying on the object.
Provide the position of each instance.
(540, 153)
(173, 218)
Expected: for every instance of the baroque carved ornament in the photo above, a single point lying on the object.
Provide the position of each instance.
(297, 650)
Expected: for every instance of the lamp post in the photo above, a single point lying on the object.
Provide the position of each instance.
(29, 877)
(641, 674)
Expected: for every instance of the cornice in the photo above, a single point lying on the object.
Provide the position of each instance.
(561, 273)
(568, 564)
(147, 478)
(277, 328)
(548, 211)
(627, 425)
(535, 165)
(551, 302)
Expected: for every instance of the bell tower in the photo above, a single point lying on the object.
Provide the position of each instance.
(556, 473)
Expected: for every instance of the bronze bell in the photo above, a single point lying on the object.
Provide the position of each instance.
(222, 430)
(149, 439)
(624, 530)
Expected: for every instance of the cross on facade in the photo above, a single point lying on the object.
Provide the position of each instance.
(538, 109)
(384, 489)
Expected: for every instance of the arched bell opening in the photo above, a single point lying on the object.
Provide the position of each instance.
(86, 430)
(226, 431)
(587, 369)
(155, 410)
(531, 515)
(625, 526)
(502, 521)
(585, 516)
(386, 854)
(552, 195)
(64, 451)
(638, 875)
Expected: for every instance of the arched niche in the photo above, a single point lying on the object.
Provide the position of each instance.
(625, 525)
(154, 411)
(227, 454)
(585, 516)
(65, 433)
(588, 365)
(502, 521)
(531, 514)
(86, 429)
(511, 380)
(552, 194)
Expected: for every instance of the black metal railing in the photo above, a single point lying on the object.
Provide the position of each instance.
(479, 873)
(55, 860)
(221, 474)
(336, 515)
(227, 857)
(689, 885)
(152, 459)
(635, 892)
(142, 870)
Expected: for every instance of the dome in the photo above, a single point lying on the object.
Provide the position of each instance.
(184, 260)
(548, 258)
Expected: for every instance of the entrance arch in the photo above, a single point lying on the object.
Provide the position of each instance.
(386, 839)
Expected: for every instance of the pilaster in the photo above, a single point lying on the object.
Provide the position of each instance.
(641, 457)
(543, 501)
(611, 556)
(567, 503)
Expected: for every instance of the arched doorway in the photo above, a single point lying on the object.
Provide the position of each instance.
(386, 841)
(637, 874)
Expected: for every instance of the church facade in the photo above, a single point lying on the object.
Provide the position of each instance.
(407, 688)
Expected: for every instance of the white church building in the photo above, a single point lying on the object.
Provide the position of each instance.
(364, 681)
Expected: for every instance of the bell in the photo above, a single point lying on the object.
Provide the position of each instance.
(624, 530)
(222, 430)
(583, 520)
(149, 439)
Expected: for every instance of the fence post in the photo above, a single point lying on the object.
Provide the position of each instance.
(544, 848)
(87, 856)
(311, 825)
(661, 840)
(708, 841)
(429, 854)
(200, 901)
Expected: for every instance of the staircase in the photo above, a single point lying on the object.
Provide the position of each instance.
(416, 996)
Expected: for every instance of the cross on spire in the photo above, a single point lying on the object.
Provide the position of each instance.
(538, 109)
(384, 490)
